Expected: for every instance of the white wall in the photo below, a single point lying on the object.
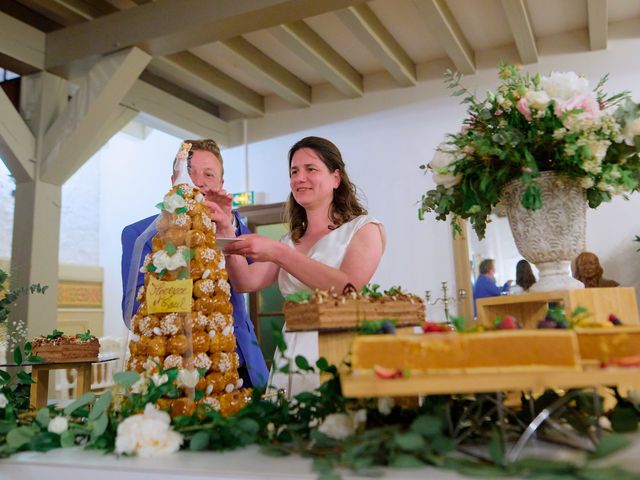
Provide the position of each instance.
(134, 176)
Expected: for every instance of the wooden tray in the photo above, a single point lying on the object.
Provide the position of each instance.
(366, 384)
(337, 315)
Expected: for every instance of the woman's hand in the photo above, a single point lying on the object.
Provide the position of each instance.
(256, 247)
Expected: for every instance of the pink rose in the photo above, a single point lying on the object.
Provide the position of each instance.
(585, 102)
(523, 108)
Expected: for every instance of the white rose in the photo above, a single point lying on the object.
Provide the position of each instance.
(537, 99)
(148, 434)
(630, 130)
(3, 400)
(385, 405)
(564, 85)
(341, 425)
(188, 378)
(162, 260)
(58, 425)
(158, 379)
(173, 202)
(442, 166)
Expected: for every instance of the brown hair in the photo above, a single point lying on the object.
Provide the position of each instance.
(486, 266)
(345, 206)
(205, 145)
(524, 275)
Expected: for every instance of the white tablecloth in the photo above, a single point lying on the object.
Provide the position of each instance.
(247, 463)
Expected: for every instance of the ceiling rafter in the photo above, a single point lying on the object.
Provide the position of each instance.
(598, 24)
(368, 28)
(444, 27)
(166, 26)
(187, 69)
(283, 83)
(22, 44)
(308, 45)
(521, 29)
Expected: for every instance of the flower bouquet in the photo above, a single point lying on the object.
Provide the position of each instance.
(529, 125)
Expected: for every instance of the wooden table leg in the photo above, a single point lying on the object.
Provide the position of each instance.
(40, 389)
(84, 378)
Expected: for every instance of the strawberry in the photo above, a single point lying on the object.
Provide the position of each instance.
(386, 373)
(629, 361)
(433, 327)
(508, 323)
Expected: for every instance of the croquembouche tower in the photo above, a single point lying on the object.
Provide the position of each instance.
(185, 319)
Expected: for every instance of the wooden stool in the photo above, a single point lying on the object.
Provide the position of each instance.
(40, 375)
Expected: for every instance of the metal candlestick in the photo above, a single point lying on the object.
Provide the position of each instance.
(446, 300)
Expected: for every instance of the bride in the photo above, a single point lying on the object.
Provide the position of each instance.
(331, 243)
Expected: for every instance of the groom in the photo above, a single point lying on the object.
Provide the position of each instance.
(206, 170)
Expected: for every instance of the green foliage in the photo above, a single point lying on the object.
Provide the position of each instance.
(372, 290)
(520, 130)
(9, 297)
(86, 336)
(299, 297)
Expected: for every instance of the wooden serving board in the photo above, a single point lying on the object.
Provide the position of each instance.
(367, 384)
(338, 315)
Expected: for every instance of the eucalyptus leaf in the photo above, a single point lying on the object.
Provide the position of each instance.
(410, 441)
(427, 425)
(85, 399)
(100, 424)
(126, 379)
(496, 447)
(27, 349)
(6, 426)
(610, 444)
(101, 405)
(200, 441)
(4, 377)
(20, 436)
(17, 355)
(406, 461)
(303, 364)
(42, 417)
(68, 439)
(24, 378)
(624, 419)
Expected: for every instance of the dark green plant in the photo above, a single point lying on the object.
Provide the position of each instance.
(9, 297)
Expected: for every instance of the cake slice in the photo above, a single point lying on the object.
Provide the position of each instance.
(59, 348)
(448, 352)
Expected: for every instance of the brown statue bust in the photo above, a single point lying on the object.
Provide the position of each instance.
(588, 271)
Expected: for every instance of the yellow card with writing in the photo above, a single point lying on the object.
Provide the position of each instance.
(170, 296)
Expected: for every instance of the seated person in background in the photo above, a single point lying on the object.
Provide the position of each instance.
(485, 285)
(524, 278)
(588, 271)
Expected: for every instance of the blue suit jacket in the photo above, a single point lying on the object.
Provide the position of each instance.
(485, 286)
(248, 348)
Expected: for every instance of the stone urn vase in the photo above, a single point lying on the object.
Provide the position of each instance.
(552, 236)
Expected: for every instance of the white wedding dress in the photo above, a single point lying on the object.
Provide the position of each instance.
(329, 250)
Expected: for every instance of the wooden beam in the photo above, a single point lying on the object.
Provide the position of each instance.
(284, 83)
(521, 29)
(444, 27)
(193, 73)
(598, 24)
(366, 26)
(21, 43)
(103, 88)
(88, 10)
(310, 47)
(170, 110)
(55, 11)
(17, 143)
(166, 26)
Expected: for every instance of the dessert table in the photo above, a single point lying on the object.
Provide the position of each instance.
(243, 464)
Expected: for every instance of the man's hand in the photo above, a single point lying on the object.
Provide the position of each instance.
(219, 204)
